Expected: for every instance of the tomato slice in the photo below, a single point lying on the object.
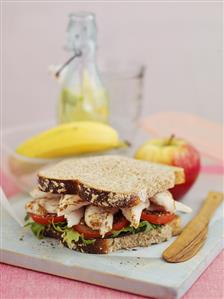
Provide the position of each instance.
(46, 219)
(157, 217)
(88, 233)
(119, 222)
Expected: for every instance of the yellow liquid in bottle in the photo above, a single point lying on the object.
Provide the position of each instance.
(76, 107)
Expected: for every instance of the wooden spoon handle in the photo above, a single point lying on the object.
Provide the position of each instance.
(180, 249)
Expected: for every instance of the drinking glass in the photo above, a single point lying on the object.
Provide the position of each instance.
(124, 84)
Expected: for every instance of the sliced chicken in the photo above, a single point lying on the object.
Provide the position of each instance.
(133, 214)
(165, 200)
(74, 217)
(182, 208)
(143, 195)
(42, 206)
(71, 207)
(36, 194)
(99, 218)
(69, 203)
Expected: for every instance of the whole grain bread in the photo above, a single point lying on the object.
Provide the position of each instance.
(142, 239)
(109, 181)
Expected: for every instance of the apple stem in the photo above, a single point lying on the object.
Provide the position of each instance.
(169, 141)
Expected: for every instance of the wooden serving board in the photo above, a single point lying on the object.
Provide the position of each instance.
(141, 272)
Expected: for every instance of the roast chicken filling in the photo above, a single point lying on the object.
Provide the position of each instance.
(74, 209)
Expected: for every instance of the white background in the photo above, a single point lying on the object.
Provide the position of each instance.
(180, 42)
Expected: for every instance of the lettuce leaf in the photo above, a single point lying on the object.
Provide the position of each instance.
(147, 226)
(127, 229)
(37, 229)
(87, 241)
(26, 218)
(70, 236)
(144, 226)
(60, 226)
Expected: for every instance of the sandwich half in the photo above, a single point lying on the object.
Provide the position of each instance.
(105, 203)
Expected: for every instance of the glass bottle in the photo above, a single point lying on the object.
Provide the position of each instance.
(83, 95)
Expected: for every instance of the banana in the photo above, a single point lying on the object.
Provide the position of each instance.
(71, 139)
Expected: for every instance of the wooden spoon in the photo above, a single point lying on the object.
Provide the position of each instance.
(194, 234)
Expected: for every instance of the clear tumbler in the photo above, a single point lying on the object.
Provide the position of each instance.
(124, 84)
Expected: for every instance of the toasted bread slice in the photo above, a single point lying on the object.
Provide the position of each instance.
(143, 239)
(109, 181)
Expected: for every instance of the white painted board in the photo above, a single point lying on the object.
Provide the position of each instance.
(141, 272)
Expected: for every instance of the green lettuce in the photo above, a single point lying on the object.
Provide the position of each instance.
(37, 229)
(144, 226)
(70, 236)
(60, 226)
(26, 218)
(147, 226)
(87, 241)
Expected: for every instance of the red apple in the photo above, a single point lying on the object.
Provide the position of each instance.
(175, 152)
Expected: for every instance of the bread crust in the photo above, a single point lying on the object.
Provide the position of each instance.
(146, 178)
(142, 239)
(97, 197)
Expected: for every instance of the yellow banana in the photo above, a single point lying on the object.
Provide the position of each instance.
(71, 139)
